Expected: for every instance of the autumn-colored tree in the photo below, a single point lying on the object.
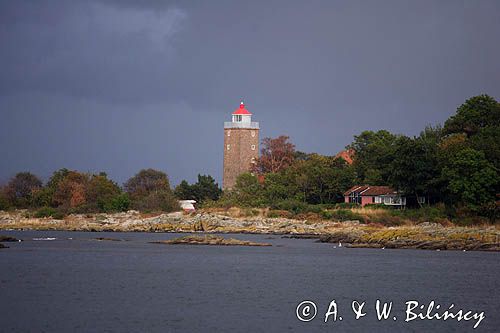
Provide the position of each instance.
(70, 190)
(276, 155)
(20, 189)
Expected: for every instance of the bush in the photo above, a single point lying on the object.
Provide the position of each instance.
(45, 212)
(157, 201)
(292, 206)
(424, 214)
(346, 215)
(119, 203)
(50, 212)
(279, 213)
(347, 205)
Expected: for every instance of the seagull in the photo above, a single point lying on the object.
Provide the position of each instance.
(340, 244)
(383, 248)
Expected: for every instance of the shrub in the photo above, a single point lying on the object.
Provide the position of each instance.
(50, 212)
(346, 205)
(45, 212)
(119, 203)
(346, 215)
(157, 201)
(279, 213)
(292, 206)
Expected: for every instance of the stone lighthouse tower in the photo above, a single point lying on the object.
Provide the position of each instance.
(241, 145)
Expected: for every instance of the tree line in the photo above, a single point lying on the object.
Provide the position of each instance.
(69, 191)
(456, 165)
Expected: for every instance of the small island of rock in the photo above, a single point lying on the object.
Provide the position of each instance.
(209, 240)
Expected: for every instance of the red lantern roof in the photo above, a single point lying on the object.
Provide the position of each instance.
(241, 110)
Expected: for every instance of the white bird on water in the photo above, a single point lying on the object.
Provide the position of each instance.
(340, 244)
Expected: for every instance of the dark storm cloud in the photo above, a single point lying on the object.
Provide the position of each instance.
(120, 85)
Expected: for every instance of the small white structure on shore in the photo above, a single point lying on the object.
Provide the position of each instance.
(187, 205)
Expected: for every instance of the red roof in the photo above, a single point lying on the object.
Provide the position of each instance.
(241, 110)
(371, 190)
(347, 155)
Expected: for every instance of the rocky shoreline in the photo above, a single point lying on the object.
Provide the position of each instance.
(429, 236)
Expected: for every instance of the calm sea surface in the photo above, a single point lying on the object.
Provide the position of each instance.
(78, 284)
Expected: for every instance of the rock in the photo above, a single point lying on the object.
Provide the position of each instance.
(8, 239)
(3, 246)
(109, 239)
(209, 240)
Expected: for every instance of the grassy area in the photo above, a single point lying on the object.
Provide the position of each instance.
(375, 215)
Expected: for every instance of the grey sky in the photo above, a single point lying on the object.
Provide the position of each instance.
(117, 86)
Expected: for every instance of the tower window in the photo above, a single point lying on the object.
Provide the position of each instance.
(253, 147)
(252, 133)
(229, 133)
(238, 118)
(228, 147)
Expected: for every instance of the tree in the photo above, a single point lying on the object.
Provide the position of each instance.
(149, 190)
(70, 191)
(276, 155)
(184, 191)
(104, 195)
(20, 189)
(319, 179)
(204, 189)
(415, 166)
(487, 140)
(373, 153)
(247, 191)
(471, 180)
(475, 114)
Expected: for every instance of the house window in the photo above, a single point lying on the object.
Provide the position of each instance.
(228, 147)
(253, 147)
(421, 200)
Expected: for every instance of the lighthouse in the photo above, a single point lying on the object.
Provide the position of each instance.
(241, 145)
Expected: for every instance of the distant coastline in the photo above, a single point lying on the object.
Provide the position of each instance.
(429, 236)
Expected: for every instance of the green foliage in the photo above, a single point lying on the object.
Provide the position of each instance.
(45, 212)
(119, 203)
(104, 195)
(204, 189)
(49, 212)
(149, 190)
(342, 215)
(475, 114)
(414, 169)
(471, 179)
(374, 151)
